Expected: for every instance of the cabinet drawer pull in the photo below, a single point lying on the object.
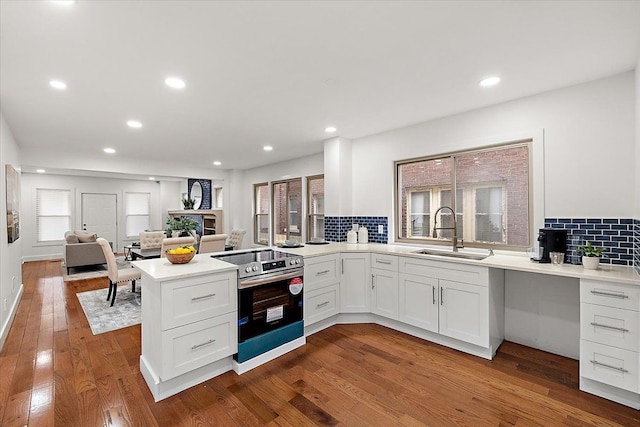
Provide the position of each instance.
(203, 297)
(599, 325)
(322, 304)
(595, 362)
(609, 294)
(322, 272)
(197, 346)
(383, 262)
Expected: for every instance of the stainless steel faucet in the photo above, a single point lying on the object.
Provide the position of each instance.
(454, 239)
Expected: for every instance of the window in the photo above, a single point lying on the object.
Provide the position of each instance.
(137, 207)
(287, 210)
(315, 207)
(261, 214)
(491, 204)
(53, 214)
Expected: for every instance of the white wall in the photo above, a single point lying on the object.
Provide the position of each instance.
(243, 208)
(10, 254)
(588, 130)
(32, 250)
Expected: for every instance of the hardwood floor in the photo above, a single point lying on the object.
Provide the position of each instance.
(54, 372)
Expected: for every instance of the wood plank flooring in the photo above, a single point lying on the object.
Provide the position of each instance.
(54, 372)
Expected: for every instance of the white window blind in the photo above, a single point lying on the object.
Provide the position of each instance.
(137, 207)
(53, 214)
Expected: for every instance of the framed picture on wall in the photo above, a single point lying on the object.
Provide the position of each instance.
(13, 203)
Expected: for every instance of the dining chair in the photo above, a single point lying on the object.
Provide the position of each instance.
(117, 275)
(212, 243)
(175, 242)
(235, 239)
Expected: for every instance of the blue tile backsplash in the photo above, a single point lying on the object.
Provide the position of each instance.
(636, 245)
(618, 235)
(336, 227)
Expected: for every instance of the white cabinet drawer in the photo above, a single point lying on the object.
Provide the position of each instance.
(456, 272)
(321, 271)
(610, 326)
(610, 294)
(190, 300)
(610, 365)
(189, 347)
(321, 304)
(384, 262)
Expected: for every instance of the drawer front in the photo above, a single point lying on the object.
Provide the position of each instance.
(384, 262)
(191, 300)
(610, 294)
(320, 272)
(610, 365)
(456, 272)
(610, 326)
(321, 304)
(189, 347)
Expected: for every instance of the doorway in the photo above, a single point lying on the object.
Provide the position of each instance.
(99, 215)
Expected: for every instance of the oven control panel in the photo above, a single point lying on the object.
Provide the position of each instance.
(273, 265)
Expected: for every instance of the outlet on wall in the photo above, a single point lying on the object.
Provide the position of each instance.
(380, 229)
(5, 304)
(13, 284)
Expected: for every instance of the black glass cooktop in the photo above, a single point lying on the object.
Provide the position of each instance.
(248, 257)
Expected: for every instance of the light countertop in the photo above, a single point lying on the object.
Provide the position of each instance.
(162, 269)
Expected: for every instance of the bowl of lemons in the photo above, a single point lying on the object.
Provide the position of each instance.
(181, 255)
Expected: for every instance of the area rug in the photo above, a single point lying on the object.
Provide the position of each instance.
(90, 271)
(126, 311)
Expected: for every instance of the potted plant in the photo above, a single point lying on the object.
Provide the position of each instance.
(173, 227)
(188, 226)
(188, 203)
(591, 255)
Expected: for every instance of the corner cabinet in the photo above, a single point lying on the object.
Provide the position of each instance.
(190, 330)
(384, 285)
(460, 301)
(355, 280)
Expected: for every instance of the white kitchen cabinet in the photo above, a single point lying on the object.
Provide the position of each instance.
(609, 340)
(460, 301)
(355, 283)
(322, 288)
(384, 285)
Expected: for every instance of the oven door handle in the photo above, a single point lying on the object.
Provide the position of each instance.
(271, 278)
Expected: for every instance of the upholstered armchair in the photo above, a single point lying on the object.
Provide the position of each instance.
(235, 239)
(151, 239)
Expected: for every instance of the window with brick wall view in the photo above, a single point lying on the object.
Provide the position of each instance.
(287, 210)
(492, 203)
(261, 214)
(315, 207)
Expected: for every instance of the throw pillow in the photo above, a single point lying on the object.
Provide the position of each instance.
(71, 238)
(85, 237)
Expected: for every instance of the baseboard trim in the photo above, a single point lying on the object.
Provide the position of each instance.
(6, 327)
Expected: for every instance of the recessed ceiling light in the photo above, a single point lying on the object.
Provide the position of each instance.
(151, 178)
(134, 124)
(175, 82)
(330, 129)
(109, 150)
(217, 163)
(58, 84)
(62, 2)
(267, 148)
(40, 170)
(490, 81)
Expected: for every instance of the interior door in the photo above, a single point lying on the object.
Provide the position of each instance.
(99, 215)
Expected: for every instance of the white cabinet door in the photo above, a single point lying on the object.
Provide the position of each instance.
(355, 283)
(464, 312)
(384, 299)
(419, 301)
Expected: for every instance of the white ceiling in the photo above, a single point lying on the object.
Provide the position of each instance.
(278, 73)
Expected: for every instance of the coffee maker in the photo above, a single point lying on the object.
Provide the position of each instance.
(551, 240)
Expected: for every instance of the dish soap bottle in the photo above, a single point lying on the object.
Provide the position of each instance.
(363, 235)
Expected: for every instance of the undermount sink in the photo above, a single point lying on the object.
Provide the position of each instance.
(477, 257)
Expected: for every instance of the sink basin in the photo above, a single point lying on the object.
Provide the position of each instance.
(477, 257)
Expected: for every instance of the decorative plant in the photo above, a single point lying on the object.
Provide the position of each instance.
(591, 251)
(187, 224)
(173, 224)
(188, 203)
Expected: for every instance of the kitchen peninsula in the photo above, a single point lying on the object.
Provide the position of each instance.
(390, 285)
